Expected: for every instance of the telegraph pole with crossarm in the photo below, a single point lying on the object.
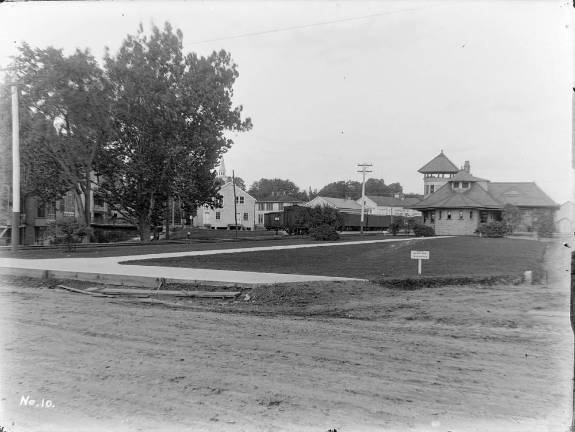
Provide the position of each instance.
(363, 169)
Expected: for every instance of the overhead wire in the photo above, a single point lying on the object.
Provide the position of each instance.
(321, 23)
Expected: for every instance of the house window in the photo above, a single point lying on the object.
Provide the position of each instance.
(465, 185)
(424, 217)
(246, 216)
(482, 216)
(440, 214)
(471, 215)
(260, 218)
(449, 215)
(52, 211)
(239, 200)
(431, 188)
(41, 210)
(461, 214)
(269, 206)
(455, 185)
(218, 215)
(99, 202)
(261, 206)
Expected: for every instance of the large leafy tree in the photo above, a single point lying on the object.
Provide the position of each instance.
(65, 120)
(274, 189)
(41, 176)
(352, 189)
(171, 112)
(342, 189)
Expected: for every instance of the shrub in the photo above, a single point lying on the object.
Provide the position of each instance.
(324, 232)
(544, 224)
(493, 229)
(420, 230)
(395, 227)
(68, 232)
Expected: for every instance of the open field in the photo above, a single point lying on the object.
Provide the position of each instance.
(449, 256)
(351, 356)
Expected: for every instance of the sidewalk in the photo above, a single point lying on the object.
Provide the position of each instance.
(111, 270)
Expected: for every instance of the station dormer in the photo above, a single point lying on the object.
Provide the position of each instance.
(437, 172)
(463, 180)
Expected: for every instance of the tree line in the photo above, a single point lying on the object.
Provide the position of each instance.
(276, 189)
(147, 124)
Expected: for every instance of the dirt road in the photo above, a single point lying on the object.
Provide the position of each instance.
(447, 359)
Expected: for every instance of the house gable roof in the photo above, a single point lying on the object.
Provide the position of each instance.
(446, 197)
(521, 194)
(338, 203)
(239, 190)
(439, 164)
(386, 201)
(463, 175)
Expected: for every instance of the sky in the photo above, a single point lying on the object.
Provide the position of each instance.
(332, 84)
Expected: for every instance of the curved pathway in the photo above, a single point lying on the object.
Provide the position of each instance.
(111, 269)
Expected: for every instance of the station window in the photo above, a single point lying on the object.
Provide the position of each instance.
(246, 216)
(218, 215)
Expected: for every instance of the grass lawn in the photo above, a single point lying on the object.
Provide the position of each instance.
(201, 240)
(450, 256)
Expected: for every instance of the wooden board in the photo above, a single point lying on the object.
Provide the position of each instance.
(204, 294)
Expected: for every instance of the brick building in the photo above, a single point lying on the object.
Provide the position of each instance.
(462, 201)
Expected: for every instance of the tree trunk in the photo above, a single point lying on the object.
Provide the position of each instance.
(87, 205)
(144, 229)
(80, 205)
(167, 219)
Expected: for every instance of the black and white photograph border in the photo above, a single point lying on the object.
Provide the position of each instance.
(287, 216)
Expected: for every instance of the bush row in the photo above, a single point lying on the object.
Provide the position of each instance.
(416, 282)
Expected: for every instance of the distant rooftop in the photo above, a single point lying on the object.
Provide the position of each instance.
(440, 164)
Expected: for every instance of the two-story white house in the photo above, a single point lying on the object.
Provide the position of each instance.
(223, 217)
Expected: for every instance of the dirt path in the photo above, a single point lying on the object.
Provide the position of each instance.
(447, 359)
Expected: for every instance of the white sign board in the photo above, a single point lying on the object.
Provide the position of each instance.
(419, 255)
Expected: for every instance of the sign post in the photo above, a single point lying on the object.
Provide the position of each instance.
(419, 255)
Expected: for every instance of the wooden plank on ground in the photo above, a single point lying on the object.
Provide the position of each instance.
(79, 291)
(175, 293)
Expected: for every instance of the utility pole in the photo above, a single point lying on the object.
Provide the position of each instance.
(235, 204)
(363, 169)
(15, 237)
